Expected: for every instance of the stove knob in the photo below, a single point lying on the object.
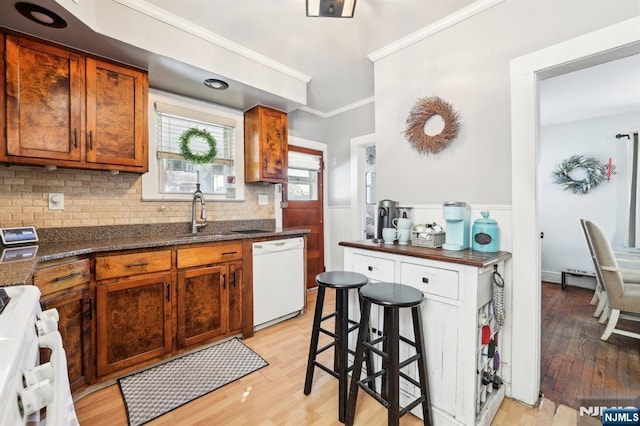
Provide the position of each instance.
(38, 374)
(45, 326)
(36, 397)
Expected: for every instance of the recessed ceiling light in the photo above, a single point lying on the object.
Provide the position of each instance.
(214, 83)
(40, 15)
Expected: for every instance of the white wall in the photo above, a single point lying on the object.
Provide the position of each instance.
(468, 66)
(563, 245)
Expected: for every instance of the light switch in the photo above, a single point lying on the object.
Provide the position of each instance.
(263, 199)
(56, 201)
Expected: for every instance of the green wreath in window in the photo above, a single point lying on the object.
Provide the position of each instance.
(595, 173)
(185, 140)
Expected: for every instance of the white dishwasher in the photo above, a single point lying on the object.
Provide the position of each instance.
(278, 280)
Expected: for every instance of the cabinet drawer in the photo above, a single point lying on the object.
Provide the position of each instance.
(440, 282)
(132, 264)
(199, 256)
(60, 277)
(373, 267)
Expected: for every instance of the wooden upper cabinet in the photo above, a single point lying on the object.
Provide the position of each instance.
(116, 114)
(266, 145)
(44, 89)
(66, 109)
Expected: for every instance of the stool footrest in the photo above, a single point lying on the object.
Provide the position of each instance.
(325, 368)
(324, 348)
(331, 315)
(409, 379)
(410, 360)
(328, 333)
(412, 405)
(374, 394)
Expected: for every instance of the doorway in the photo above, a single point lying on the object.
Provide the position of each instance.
(600, 46)
(304, 204)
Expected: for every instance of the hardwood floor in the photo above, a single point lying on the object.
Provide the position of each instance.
(576, 365)
(273, 395)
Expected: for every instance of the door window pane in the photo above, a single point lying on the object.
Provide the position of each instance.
(302, 185)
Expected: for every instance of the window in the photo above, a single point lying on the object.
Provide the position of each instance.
(302, 176)
(170, 176)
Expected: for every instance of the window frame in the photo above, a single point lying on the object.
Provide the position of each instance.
(151, 179)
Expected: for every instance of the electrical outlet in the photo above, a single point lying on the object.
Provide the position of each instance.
(56, 201)
(263, 199)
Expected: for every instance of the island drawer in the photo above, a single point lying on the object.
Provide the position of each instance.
(124, 265)
(63, 276)
(373, 267)
(430, 280)
(199, 256)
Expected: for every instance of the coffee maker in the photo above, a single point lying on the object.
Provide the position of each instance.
(387, 211)
(457, 214)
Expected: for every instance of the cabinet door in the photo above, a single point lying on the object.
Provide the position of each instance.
(274, 145)
(116, 115)
(235, 297)
(44, 92)
(134, 322)
(441, 341)
(74, 310)
(202, 304)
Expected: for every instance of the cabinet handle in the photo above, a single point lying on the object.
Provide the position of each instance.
(168, 292)
(226, 253)
(135, 265)
(370, 268)
(224, 281)
(235, 278)
(425, 280)
(89, 313)
(75, 138)
(67, 277)
(91, 140)
(265, 164)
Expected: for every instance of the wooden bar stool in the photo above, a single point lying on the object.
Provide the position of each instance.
(391, 297)
(342, 282)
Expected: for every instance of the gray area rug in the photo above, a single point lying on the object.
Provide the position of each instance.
(153, 392)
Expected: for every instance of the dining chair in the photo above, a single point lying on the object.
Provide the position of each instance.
(623, 298)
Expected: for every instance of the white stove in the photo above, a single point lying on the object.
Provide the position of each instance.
(30, 392)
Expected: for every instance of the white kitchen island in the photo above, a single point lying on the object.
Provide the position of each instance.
(458, 290)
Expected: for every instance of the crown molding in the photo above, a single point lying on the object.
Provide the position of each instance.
(440, 25)
(341, 110)
(175, 21)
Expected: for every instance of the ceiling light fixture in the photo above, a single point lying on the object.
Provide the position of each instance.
(40, 15)
(331, 8)
(214, 83)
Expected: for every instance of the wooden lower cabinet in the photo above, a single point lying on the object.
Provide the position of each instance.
(202, 300)
(75, 315)
(133, 321)
(209, 303)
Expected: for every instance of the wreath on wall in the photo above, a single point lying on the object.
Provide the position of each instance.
(595, 173)
(185, 149)
(423, 110)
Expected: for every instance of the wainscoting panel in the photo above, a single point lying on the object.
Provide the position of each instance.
(339, 229)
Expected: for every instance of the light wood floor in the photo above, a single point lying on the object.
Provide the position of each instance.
(273, 395)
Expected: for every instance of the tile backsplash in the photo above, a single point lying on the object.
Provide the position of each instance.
(97, 198)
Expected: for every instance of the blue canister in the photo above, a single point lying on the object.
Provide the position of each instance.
(485, 234)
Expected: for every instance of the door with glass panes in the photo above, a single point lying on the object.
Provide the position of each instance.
(304, 204)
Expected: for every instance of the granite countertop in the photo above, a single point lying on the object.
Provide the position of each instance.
(123, 238)
(464, 257)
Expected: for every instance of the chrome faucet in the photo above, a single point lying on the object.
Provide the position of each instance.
(195, 225)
